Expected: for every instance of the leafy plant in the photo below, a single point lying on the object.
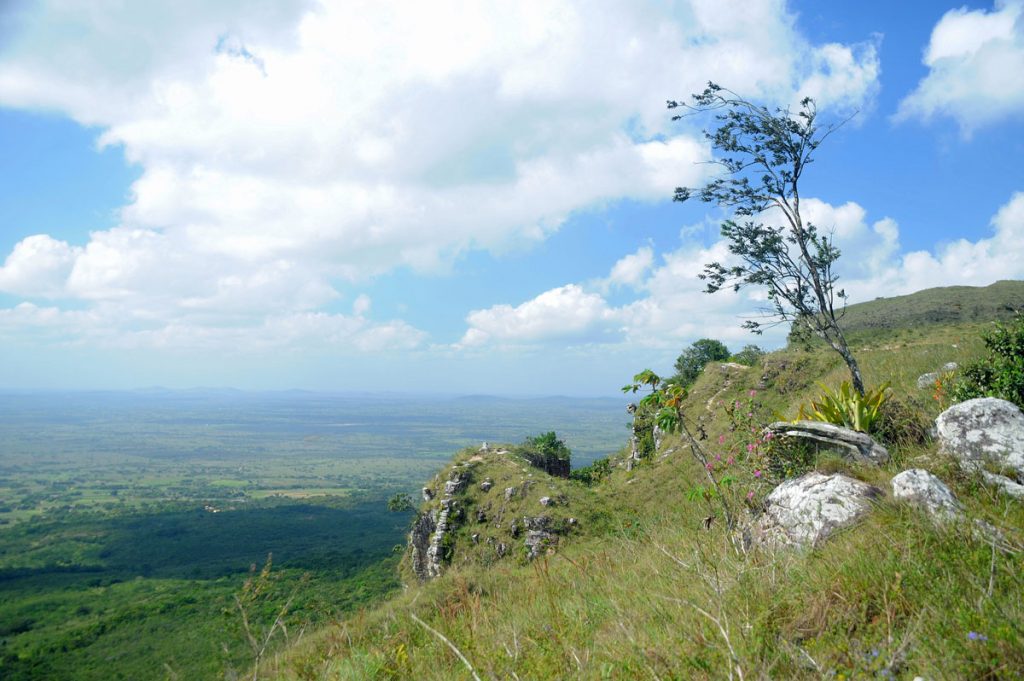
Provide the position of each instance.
(594, 473)
(1001, 374)
(748, 356)
(844, 406)
(665, 400)
(400, 503)
(548, 453)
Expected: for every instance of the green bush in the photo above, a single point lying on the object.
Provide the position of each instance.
(1001, 373)
(901, 423)
(689, 364)
(748, 356)
(547, 453)
(594, 473)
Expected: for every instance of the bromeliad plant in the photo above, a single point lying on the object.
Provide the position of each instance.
(844, 406)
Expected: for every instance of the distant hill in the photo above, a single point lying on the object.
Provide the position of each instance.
(945, 305)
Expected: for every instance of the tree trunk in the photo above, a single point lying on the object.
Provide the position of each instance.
(858, 382)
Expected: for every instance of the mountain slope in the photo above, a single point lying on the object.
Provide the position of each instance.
(651, 585)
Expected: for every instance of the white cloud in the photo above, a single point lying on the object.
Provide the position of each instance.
(38, 266)
(287, 149)
(630, 269)
(976, 68)
(563, 313)
(672, 310)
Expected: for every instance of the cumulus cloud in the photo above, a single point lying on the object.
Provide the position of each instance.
(630, 269)
(975, 62)
(671, 308)
(567, 312)
(289, 150)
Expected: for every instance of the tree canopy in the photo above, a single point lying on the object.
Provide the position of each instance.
(763, 155)
(693, 359)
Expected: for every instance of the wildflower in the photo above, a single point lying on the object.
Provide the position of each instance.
(737, 404)
(750, 414)
(730, 461)
(750, 447)
(718, 457)
(721, 439)
(750, 494)
(975, 636)
(753, 392)
(769, 435)
(710, 466)
(757, 473)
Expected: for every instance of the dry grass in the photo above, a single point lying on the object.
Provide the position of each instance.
(645, 591)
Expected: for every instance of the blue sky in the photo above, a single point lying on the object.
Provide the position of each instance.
(462, 197)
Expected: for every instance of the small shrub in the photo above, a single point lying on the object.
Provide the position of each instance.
(547, 453)
(901, 423)
(749, 356)
(400, 503)
(594, 473)
(789, 457)
(1001, 373)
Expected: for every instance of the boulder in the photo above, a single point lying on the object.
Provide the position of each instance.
(848, 443)
(510, 492)
(486, 485)
(924, 490)
(986, 435)
(925, 381)
(456, 482)
(539, 537)
(807, 510)
(546, 501)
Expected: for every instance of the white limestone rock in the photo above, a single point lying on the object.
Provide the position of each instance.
(986, 435)
(926, 491)
(845, 441)
(805, 511)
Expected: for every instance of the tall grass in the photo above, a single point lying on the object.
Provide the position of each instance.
(651, 589)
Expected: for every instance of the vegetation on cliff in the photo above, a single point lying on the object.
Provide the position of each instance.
(650, 583)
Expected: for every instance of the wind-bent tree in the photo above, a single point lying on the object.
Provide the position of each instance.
(764, 155)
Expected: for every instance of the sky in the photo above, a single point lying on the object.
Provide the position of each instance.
(463, 197)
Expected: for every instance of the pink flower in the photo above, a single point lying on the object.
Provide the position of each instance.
(757, 473)
(718, 457)
(721, 439)
(710, 466)
(750, 494)
(753, 392)
(737, 404)
(769, 435)
(750, 447)
(730, 461)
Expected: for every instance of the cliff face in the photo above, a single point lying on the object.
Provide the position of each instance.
(491, 505)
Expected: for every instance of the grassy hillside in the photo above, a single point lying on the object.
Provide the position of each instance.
(937, 306)
(649, 584)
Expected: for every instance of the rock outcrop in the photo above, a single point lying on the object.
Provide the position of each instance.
(920, 488)
(539, 536)
(420, 542)
(848, 443)
(429, 540)
(805, 511)
(986, 435)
